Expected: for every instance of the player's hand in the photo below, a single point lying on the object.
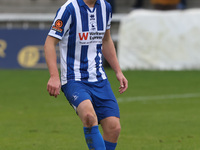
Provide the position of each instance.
(53, 86)
(123, 82)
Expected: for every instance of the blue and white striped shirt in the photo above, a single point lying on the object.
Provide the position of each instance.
(81, 30)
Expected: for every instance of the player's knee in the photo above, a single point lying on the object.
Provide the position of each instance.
(90, 120)
(114, 130)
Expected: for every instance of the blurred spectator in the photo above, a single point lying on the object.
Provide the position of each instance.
(138, 4)
(182, 4)
(165, 4)
(112, 3)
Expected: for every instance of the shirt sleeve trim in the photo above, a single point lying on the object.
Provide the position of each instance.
(56, 36)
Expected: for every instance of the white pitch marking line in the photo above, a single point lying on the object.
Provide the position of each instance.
(158, 97)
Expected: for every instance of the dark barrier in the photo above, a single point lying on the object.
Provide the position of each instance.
(22, 48)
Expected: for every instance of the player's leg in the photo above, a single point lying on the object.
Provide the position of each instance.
(107, 110)
(111, 130)
(78, 96)
(88, 117)
(87, 114)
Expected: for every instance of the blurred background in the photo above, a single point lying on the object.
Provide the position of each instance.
(138, 26)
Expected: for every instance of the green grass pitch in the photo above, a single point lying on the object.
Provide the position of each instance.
(159, 111)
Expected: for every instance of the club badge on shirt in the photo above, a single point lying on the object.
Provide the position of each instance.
(58, 26)
(92, 23)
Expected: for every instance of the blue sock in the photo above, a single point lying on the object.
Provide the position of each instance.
(110, 146)
(94, 138)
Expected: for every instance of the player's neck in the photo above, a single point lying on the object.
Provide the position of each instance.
(90, 3)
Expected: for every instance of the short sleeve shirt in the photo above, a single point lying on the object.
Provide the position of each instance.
(80, 30)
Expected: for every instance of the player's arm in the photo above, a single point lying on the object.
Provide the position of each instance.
(53, 85)
(109, 52)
